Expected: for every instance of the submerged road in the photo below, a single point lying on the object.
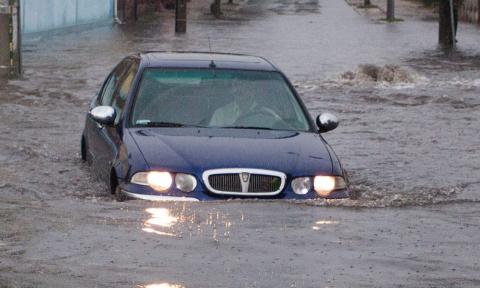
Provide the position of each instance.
(409, 138)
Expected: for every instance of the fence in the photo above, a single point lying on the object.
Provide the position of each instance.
(44, 15)
(471, 11)
(9, 40)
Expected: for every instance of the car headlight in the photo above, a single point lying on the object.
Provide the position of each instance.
(158, 181)
(324, 185)
(301, 185)
(185, 182)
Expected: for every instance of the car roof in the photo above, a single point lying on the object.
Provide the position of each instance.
(204, 60)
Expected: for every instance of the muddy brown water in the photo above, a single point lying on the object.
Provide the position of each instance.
(409, 137)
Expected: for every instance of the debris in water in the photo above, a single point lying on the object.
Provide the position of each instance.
(372, 73)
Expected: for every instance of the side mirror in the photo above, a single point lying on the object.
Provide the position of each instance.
(104, 115)
(326, 122)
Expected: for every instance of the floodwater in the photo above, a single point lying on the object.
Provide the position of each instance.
(409, 137)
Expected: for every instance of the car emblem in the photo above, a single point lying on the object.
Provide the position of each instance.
(245, 177)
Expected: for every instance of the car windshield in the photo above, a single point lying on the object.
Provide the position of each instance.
(236, 99)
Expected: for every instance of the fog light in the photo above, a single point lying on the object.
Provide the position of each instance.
(324, 185)
(185, 182)
(301, 185)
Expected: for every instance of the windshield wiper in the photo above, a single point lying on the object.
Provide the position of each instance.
(166, 124)
(247, 127)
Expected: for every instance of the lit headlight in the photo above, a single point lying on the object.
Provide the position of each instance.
(324, 185)
(301, 185)
(159, 181)
(185, 182)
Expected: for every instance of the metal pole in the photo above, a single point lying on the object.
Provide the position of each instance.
(19, 39)
(181, 16)
(452, 21)
(391, 10)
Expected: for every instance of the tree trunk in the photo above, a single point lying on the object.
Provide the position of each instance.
(135, 10)
(390, 10)
(445, 33)
(216, 8)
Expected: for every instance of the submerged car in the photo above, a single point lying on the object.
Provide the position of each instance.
(208, 126)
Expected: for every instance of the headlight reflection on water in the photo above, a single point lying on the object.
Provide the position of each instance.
(184, 222)
(160, 218)
(320, 223)
(164, 285)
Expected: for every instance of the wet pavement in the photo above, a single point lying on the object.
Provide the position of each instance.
(409, 131)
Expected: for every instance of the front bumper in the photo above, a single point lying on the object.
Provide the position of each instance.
(202, 194)
(159, 197)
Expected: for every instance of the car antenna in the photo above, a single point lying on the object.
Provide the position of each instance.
(212, 63)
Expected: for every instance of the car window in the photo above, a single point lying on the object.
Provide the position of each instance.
(125, 84)
(218, 98)
(107, 95)
(111, 84)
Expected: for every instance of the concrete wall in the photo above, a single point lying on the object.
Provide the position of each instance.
(44, 15)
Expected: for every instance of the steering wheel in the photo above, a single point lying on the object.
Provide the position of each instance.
(262, 113)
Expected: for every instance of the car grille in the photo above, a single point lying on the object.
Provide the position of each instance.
(244, 181)
(226, 182)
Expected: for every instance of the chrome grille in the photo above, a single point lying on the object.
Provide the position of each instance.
(226, 182)
(251, 182)
(263, 183)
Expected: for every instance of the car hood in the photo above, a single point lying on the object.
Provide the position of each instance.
(194, 150)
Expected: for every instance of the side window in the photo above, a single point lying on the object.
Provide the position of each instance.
(111, 84)
(124, 87)
(107, 95)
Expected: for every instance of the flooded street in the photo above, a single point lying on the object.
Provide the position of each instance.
(409, 139)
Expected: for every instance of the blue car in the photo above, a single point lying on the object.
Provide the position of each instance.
(208, 126)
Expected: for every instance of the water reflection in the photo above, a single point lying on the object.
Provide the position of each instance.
(184, 222)
(321, 223)
(160, 219)
(164, 285)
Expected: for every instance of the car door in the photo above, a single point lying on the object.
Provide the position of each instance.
(111, 136)
(96, 137)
